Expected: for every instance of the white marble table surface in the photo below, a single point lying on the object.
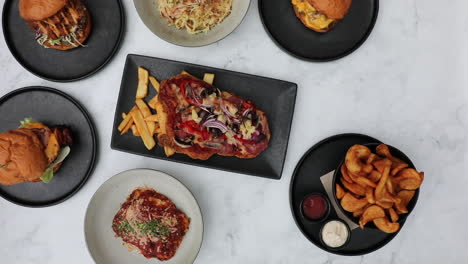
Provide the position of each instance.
(406, 85)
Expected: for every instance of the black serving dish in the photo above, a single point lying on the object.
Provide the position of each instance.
(53, 108)
(321, 159)
(277, 98)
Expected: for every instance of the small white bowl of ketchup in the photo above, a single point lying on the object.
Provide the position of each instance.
(315, 207)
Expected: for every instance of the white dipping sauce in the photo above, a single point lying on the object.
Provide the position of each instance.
(335, 234)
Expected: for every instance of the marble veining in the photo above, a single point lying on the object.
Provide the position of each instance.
(406, 85)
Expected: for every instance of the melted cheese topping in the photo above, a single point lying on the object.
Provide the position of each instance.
(313, 19)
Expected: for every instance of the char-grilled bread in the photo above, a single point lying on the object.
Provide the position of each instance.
(321, 15)
(199, 120)
(32, 152)
(59, 24)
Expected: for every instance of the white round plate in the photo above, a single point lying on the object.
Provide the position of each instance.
(149, 13)
(102, 244)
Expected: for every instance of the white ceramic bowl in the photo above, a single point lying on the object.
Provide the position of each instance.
(102, 244)
(149, 13)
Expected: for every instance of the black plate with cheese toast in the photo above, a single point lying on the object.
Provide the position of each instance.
(276, 98)
(108, 27)
(322, 159)
(54, 108)
(287, 31)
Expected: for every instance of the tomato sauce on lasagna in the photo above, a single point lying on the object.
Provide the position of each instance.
(151, 223)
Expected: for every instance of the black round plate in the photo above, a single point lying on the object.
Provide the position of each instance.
(53, 108)
(321, 159)
(292, 36)
(108, 24)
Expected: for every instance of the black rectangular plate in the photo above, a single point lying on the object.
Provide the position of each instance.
(277, 98)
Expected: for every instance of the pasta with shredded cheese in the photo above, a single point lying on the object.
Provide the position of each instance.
(196, 16)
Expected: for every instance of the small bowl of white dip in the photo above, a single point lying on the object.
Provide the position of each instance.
(335, 234)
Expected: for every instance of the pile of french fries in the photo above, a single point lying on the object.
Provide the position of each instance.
(141, 119)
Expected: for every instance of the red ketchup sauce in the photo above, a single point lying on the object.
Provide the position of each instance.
(314, 207)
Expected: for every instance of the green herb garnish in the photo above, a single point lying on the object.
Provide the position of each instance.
(154, 227)
(26, 122)
(125, 227)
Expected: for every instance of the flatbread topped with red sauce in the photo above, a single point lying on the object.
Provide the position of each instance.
(151, 223)
(199, 120)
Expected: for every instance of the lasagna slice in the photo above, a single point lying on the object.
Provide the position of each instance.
(150, 223)
(199, 120)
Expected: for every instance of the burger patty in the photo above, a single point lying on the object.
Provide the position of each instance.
(72, 18)
(63, 134)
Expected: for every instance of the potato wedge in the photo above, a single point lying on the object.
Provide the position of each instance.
(372, 212)
(381, 164)
(381, 186)
(372, 157)
(354, 188)
(386, 226)
(363, 181)
(405, 197)
(393, 215)
(358, 212)
(384, 205)
(339, 191)
(374, 176)
(397, 167)
(154, 83)
(370, 195)
(355, 160)
(146, 136)
(209, 78)
(344, 173)
(408, 179)
(351, 204)
(142, 89)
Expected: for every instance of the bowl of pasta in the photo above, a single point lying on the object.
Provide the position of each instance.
(192, 23)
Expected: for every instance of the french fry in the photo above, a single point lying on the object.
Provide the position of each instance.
(169, 151)
(140, 123)
(153, 118)
(124, 115)
(135, 131)
(125, 122)
(127, 127)
(142, 90)
(156, 128)
(152, 103)
(155, 83)
(151, 125)
(209, 78)
(186, 73)
(145, 111)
